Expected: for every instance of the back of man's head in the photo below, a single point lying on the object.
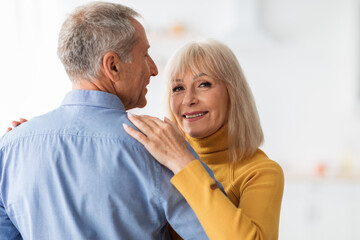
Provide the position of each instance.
(91, 31)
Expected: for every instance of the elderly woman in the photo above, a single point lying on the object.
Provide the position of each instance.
(212, 104)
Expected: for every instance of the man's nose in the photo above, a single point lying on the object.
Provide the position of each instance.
(153, 68)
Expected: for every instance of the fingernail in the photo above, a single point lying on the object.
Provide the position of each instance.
(130, 114)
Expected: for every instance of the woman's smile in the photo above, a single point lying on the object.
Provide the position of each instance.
(194, 116)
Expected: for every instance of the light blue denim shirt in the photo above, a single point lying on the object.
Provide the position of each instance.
(74, 173)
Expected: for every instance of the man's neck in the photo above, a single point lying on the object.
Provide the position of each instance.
(94, 85)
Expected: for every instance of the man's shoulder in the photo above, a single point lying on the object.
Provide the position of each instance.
(85, 123)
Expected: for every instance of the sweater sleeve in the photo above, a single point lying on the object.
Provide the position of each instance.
(256, 217)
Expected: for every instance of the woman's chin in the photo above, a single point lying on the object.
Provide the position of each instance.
(197, 134)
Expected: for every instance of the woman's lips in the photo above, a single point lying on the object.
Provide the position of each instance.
(194, 116)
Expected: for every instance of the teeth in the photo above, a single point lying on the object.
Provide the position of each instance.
(194, 115)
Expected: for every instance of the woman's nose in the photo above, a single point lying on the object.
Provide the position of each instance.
(189, 98)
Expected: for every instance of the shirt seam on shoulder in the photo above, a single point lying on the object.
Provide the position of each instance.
(134, 143)
(85, 105)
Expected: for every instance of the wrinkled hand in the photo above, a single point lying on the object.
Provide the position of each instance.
(162, 139)
(16, 123)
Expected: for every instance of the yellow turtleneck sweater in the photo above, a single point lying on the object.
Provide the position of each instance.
(254, 187)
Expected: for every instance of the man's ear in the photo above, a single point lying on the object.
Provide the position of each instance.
(111, 66)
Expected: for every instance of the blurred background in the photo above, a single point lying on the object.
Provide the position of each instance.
(301, 59)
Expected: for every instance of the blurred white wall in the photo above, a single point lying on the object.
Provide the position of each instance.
(301, 58)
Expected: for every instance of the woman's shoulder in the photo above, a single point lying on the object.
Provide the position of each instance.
(258, 164)
(255, 171)
(259, 158)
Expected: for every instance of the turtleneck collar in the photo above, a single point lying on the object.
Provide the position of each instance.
(216, 142)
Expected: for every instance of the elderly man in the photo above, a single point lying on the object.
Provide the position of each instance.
(74, 173)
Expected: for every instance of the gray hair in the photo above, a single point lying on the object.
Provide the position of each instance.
(217, 61)
(90, 32)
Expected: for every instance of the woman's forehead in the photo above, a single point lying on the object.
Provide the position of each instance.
(195, 71)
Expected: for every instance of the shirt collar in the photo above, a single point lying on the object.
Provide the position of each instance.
(92, 98)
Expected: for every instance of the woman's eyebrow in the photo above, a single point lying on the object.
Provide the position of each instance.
(177, 80)
(199, 75)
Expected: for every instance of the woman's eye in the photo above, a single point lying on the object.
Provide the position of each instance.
(205, 84)
(177, 89)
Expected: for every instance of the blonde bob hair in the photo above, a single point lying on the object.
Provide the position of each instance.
(218, 62)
